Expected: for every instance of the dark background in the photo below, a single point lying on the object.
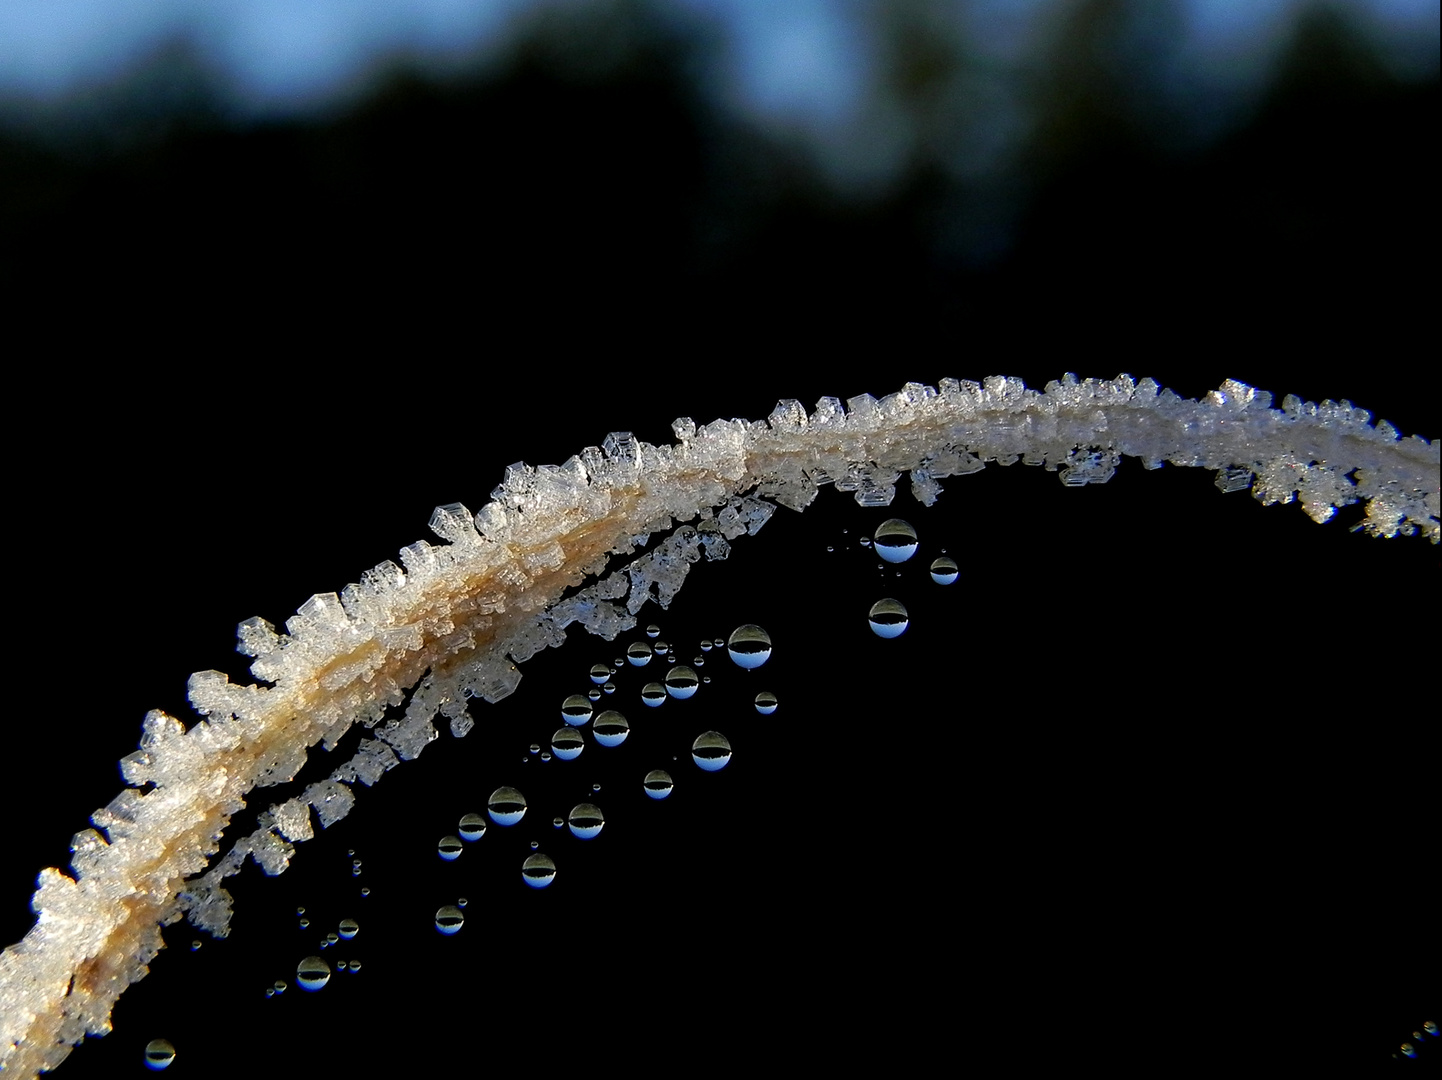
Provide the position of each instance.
(1145, 782)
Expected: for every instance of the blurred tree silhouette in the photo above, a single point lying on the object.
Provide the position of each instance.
(588, 184)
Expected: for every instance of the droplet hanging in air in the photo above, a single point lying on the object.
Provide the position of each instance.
(611, 728)
(638, 653)
(348, 928)
(944, 570)
(600, 673)
(449, 919)
(159, 1053)
(567, 744)
(681, 682)
(658, 783)
(449, 848)
(506, 806)
(312, 973)
(749, 646)
(538, 871)
(586, 821)
(653, 694)
(472, 827)
(766, 703)
(711, 751)
(896, 540)
(888, 618)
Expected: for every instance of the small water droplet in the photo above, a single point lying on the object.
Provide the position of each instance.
(449, 848)
(600, 673)
(609, 688)
(944, 571)
(472, 827)
(661, 648)
(711, 751)
(354, 966)
(681, 682)
(653, 631)
(312, 973)
(595, 694)
(348, 928)
(888, 618)
(159, 1053)
(749, 646)
(506, 806)
(538, 871)
(658, 783)
(766, 703)
(586, 821)
(653, 694)
(610, 728)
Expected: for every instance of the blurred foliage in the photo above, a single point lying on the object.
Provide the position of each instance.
(586, 185)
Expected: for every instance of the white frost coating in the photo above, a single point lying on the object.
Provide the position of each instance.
(454, 620)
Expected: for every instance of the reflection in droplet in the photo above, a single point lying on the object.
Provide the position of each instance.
(600, 673)
(888, 618)
(711, 751)
(661, 648)
(681, 682)
(944, 570)
(586, 821)
(506, 806)
(658, 783)
(653, 694)
(449, 848)
(538, 871)
(653, 631)
(472, 827)
(353, 966)
(348, 928)
(312, 973)
(749, 646)
(896, 540)
(611, 728)
(638, 653)
(1430, 1027)
(159, 1053)
(567, 743)
(449, 919)
(766, 703)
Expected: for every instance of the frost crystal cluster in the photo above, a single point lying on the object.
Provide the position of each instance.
(557, 545)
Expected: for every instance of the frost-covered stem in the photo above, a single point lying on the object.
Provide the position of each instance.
(468, 611)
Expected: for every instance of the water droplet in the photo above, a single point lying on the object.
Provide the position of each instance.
(538, 871)
(653, 694)
(595, 787)
(896, 540)
(280, 986)
(706, 679)
(462, 902)
(766, 703)
(567, 743)
(269, 992)
(556, 823)
(340, 965)
(365, 890)
(711, 751)
(159, 1053)
(449, 919)
(749, 646)
(301, 910)
(353, 966)
(348, 928)
(944, 571)
(449, 848)
(888, 618)
(638, 653)
(653, 631)
(472, 827)
(506, 806)
(194, 945)
(586, 821)
(312, 973)
(1430, 1027)
(609, 688)
(594, 694)
(304, 923)
(600, 673)
(661, 648)
(617, 664)
(658, 783)
(865, 541)
(610, 728)
(681, 681)
(535, 748)
(331, 939)
(707, 645)
(545, 755)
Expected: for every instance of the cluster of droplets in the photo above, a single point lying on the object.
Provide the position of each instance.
(896, 542)
(1420, 1039)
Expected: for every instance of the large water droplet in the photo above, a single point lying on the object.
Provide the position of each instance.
(449, 919)
(586, 821)
(681, 681)
(449, 848)
(600, 673)
(888, 618)
(749, 646)
(610, 728)
(944, 570)
(538, 871)
(472, 827)
(567, 744)
(653, 694)
(658, 783)
(638, 653)
(895, 540)
(159, 1053)
(766, 703)
(576, 710)
(506, 806)
(348, 928)
(711, 751)
(312, 973)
